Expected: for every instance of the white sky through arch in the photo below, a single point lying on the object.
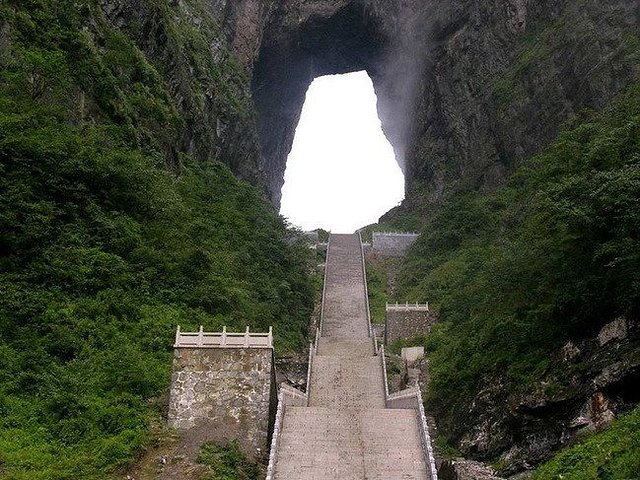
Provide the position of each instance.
(341, 172)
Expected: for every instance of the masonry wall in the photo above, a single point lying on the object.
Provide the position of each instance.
(406, 323)
(392, 244)
(226, 394)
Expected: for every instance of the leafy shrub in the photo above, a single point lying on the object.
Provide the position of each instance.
(227, 463)
(553, 255)
(104, 250)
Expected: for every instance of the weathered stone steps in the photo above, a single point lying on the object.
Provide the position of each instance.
(346, 433)
(322, 443)
(347, 383)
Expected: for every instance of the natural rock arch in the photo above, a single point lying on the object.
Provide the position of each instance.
(306, 41)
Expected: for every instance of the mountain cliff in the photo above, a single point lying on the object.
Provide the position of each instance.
(121, 120)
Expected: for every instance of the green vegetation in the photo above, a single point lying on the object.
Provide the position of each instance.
(377, 288)
(612, 454)
(227, 463)
(537, 53)
(552, 256)
(103, 250)
(323, 235)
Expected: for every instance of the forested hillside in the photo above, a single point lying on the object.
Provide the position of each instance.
(110, 237)
(543, 263)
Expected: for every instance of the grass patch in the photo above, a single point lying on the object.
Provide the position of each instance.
(227, 462)
(610, 455)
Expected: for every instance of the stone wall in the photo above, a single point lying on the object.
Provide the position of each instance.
(392, 244)
(407, 322)
(225, 393)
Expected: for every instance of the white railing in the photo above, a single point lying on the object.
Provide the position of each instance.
(224, 339)
(427, 446)
(411, 398)
(296, 398)
(313, 349)
(372, 334)
(384, 373)
(275, 438)
(309, 364)
(324, 287)
(407, 306)
(397, 234)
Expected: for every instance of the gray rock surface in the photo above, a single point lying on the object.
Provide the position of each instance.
(461, 469)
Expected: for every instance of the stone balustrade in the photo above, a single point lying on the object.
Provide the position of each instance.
(224, 339)
(407, 306)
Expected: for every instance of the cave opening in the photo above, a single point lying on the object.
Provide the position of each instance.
(341, 173)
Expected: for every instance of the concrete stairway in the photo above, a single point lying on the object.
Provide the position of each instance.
(346, 433)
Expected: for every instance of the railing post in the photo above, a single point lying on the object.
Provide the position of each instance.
(246, 337)
(200, 336)
(178, 336)
(270, 337)
(223, 339)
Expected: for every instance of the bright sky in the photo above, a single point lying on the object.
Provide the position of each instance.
(341, 173)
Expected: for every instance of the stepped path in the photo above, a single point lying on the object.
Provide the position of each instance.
(346, 432)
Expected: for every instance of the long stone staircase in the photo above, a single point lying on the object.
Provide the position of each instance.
(346, 432)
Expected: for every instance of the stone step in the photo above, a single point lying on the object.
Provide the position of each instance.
(346, 433)
(325, 443)
(346, 382)
(348, 348)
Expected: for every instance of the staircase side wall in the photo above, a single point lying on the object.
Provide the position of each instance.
(406, 324)
(392, 245)
(225, 394)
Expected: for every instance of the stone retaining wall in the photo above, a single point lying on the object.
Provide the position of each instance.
(392, 244)
(407, 323)
(225, 393)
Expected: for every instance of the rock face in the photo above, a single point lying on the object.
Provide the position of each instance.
(587, 385)
(461, 469)
(204, 50)
(465, 89)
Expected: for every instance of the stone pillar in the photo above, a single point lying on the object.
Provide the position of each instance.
(225, 394)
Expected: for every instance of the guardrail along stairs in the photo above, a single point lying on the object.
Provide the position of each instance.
(346, 432)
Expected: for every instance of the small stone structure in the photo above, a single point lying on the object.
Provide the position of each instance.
(223, 386)
(392, 244)
(407, 320)
(411, 355)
